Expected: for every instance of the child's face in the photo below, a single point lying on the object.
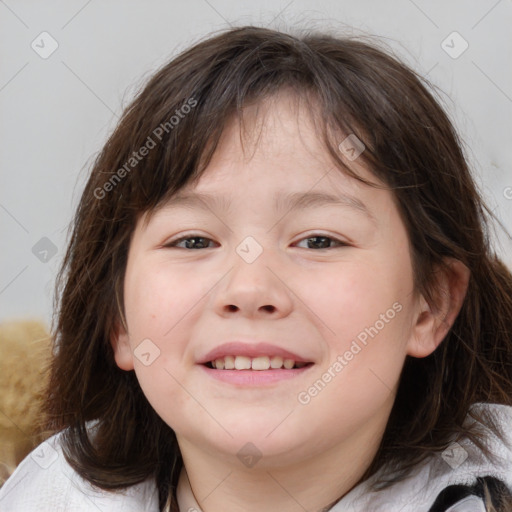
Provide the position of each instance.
(349, 310)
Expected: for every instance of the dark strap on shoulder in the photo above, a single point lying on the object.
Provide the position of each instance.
(487, 487)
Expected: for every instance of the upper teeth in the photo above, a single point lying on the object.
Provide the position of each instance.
(254, 363)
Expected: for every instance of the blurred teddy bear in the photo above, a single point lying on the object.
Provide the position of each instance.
(25, 352)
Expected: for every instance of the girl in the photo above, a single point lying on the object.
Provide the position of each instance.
(279, 294)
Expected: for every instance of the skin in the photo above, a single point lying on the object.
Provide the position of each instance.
(188, 301)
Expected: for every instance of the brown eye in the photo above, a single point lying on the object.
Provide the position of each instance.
(191, 242)
(322, 242)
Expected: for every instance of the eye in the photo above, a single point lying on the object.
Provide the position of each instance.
(316, 241)
(319, 241)
(198, 242)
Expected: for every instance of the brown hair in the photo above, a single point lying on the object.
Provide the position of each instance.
(410, 145)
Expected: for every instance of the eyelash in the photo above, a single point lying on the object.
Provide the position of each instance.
(339, 243)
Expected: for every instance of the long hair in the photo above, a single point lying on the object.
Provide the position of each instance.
(411, 145)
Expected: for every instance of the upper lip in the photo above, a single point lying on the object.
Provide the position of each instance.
(238, 348)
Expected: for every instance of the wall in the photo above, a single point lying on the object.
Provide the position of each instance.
(57, 109)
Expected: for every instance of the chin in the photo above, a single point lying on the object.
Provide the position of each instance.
(271, 450)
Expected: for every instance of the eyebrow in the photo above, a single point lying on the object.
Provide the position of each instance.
(288, 202)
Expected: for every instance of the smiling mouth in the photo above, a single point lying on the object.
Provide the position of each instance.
(260, 363)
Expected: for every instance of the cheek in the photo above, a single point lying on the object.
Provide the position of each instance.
(157, 297)
(160, 312)
(366, 308)
(162, 390)
(367, 320)
(356, 295)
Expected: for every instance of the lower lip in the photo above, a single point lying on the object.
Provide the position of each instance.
(251, 378)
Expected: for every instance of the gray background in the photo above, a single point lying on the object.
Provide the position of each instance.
(56, 113)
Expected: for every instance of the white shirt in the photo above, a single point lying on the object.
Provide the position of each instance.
(45, 482)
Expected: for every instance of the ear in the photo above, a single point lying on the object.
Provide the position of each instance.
(432, 323)
(120, 342)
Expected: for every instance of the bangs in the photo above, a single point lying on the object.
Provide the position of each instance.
(181, 115)
(343, 148)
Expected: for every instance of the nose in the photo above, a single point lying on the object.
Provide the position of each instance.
(254, 290)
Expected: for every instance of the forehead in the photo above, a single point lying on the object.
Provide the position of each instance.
(277, 145)
(282, 201)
